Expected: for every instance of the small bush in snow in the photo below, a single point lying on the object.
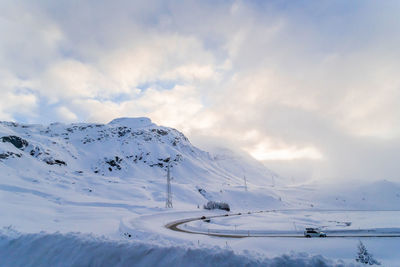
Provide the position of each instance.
(212, 205)
(363, 256)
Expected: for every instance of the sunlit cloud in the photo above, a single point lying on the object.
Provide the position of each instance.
(265, 153)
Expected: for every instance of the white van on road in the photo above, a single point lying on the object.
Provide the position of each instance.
(313, 232)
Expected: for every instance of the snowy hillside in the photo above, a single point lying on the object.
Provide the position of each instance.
(352, 195)
(122, 163)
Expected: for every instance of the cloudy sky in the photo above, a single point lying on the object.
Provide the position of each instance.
(312, 88)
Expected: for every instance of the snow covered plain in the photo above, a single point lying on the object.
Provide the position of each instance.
(94, 194)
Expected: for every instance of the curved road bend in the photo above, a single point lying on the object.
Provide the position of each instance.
(174, 227)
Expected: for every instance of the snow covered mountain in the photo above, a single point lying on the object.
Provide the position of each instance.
(125, 162)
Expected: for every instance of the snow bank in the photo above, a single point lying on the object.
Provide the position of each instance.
(74, 249)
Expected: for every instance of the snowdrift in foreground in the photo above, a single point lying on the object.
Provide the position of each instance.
(85, 250)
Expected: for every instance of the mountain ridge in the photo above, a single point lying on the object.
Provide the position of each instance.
(134, 151)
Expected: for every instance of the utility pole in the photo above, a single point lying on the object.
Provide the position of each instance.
(245, 183)
(168, 203)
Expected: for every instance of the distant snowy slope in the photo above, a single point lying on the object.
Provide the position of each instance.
(352, 195)
(379, 195)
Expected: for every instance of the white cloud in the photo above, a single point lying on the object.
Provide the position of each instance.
(66, 115)
(15, 100)
(264, 153)
(30, 40)
(71, 79)
(174, 107)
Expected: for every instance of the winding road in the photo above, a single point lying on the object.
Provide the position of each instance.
(174, 226)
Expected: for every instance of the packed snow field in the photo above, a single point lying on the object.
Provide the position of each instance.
(94, 194)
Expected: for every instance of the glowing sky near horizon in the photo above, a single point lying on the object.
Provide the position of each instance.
(309, 87)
